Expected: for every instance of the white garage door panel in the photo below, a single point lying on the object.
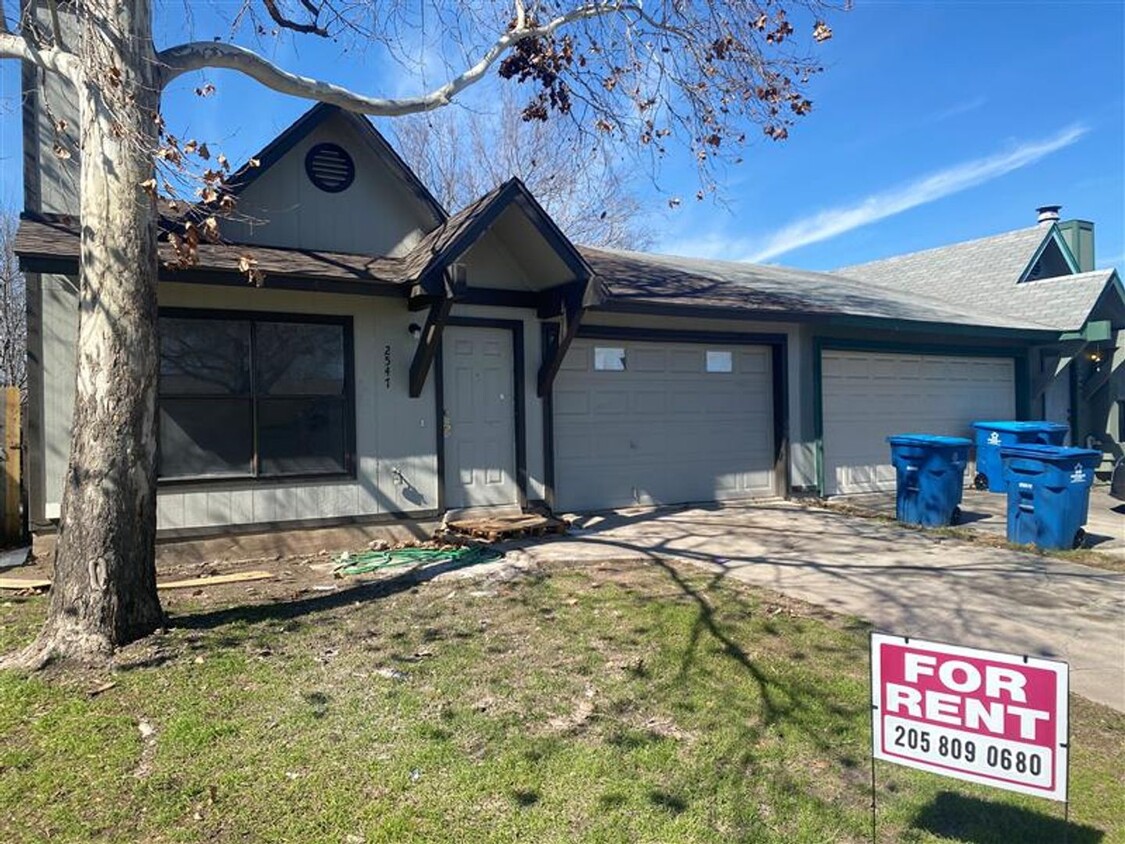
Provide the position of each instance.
(664, 430)
(868, 397)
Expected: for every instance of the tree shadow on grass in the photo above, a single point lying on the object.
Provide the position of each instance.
(975, 821)
(292, 609)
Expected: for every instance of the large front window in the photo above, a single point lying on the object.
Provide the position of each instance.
(253, 396)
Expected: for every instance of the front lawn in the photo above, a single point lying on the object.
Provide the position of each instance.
(628, 703)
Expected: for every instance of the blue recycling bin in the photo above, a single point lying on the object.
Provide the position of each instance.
(1048, 493)
(991, 436)
(930, 476)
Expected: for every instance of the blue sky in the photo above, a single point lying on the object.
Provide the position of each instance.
(934, 122)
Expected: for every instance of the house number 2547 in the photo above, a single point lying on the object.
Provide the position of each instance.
(387, 365)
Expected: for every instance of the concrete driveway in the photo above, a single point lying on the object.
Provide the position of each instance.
(988, 513)
(903, 581)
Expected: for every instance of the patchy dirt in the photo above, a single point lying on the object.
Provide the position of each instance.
(293, 577)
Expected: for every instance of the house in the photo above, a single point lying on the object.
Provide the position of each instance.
(397, 362)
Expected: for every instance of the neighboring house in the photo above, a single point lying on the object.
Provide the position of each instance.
(1047, 274)
(398, 362)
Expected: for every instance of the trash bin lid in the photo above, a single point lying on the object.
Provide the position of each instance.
(1051, 453)
(930, 440)
(1017, 427)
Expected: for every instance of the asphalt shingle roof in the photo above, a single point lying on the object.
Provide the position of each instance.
(983, 275)
(59, 238)
(971, 284)
(648, 279)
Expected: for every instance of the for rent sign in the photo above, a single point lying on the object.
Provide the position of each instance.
(976, 715)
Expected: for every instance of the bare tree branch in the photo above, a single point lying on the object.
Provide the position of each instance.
(199, 55)
(49, 58)
(586, 188)
(279, 17)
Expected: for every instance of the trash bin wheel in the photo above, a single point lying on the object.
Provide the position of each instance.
(1079, 539)
(980, 481)
(955, 519)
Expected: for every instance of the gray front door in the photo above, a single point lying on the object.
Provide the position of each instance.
(479, 423)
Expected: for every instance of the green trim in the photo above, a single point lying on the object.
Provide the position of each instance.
(1094, 331)
(818, 413)
(1052, 235)
(1072, 374)
(1074, 227)
(822, 344)
(1023, 386)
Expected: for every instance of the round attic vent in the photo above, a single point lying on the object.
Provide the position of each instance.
(329, 167)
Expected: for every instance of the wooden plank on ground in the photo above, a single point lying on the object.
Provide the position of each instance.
(216, 580)
(493, 529)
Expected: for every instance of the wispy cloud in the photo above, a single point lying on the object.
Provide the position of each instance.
(957, 109)
(878, 206)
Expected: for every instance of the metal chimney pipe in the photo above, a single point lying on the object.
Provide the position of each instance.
(1048, 214)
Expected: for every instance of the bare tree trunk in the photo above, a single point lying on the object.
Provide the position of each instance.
(104, 589)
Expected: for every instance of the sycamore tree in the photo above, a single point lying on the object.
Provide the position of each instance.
(694, 78)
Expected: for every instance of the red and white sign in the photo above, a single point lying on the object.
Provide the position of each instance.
(979, 716)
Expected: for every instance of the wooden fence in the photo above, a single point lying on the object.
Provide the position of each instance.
(11, 517)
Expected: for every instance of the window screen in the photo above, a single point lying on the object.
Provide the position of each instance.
(253, 397)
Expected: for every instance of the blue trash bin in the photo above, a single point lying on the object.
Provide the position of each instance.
(930, 477)
(1048, 493)
(991, 436)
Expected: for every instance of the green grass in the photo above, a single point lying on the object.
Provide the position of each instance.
(634, 703)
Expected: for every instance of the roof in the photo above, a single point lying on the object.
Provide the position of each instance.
(632, 280)
(57, 239)
(643, 281)
(453, 237)
(984, 275)
(961, 272)
(437, 245)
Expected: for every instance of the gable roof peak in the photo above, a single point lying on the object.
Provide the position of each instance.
(314, 117)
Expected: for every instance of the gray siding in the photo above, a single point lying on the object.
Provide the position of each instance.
(378, 214)
(59, 331)
(394, 433)
(50, 118)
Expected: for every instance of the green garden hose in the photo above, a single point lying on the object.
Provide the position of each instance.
(366, 562)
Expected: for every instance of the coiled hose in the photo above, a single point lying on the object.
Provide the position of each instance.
(366, 562)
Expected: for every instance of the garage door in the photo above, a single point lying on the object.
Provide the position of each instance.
(657, 423)
(868, 397)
